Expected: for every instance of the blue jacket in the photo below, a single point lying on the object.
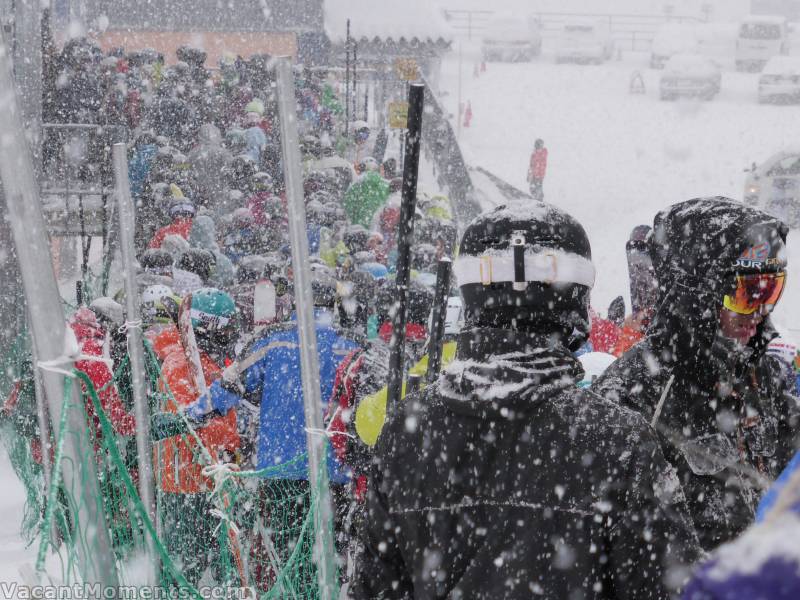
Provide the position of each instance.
(275, 381)
(256, 141)
(139, 167)
(768, 499)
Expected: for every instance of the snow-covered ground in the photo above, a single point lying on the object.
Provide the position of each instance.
(13, 552)
(615, 159)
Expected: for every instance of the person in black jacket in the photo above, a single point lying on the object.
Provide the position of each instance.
(503, 479)
(725, 416)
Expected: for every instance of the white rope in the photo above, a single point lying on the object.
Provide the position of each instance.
(135, 324)
(215, 512)
(328, 433)
(55, 365)
(219, 472)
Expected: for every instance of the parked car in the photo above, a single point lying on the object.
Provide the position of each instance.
(585, 42)
(780, 80)
(510, 38)
(774, 186)
(760, 38)
(672, 39)
(690, 75)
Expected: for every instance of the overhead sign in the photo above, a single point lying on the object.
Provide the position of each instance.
(398, 115)
(406, 69)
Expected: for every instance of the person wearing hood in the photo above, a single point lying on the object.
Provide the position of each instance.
(720, 405)
(505, 480)
(208, 161)
(204, 236)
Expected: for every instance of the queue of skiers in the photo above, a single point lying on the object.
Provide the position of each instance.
(512, 474)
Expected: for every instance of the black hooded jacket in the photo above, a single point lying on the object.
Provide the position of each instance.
(504, 480)
(723, 413)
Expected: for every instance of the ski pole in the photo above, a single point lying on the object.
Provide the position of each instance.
(416, 99)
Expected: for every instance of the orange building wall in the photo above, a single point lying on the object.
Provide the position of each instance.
(214, 43)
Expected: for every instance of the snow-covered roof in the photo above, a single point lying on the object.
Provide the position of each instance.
(782, 65)
(369, 19)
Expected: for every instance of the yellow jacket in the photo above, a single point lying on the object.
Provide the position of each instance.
(371, 412)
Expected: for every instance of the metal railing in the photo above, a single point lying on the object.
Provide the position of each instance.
(77, 176)
(634, 32)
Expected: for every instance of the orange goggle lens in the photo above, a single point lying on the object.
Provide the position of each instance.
(754, 291)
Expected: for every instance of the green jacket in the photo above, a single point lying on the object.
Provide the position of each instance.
(365, 197)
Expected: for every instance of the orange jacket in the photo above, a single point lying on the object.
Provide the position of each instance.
(182, 461)
(163, 339)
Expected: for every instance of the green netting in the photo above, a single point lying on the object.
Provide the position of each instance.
(18, 425)
(249, 529)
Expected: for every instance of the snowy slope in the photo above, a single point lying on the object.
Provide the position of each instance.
(615, 159)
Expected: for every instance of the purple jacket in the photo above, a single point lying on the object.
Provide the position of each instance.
(762, 564)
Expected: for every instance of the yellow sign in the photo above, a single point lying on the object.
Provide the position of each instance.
(398, 115)
(406, 69)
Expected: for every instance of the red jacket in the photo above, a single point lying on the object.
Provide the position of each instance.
(538, 166)
(604, 334)
(180, 226)
(90, 338)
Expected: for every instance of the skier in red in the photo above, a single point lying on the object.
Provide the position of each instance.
(181, 210)
(537, 169)
(90, 336)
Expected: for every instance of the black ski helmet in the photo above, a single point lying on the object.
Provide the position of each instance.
(527, 266)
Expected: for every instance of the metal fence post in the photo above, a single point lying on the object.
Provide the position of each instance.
(416, 96)
(438, 317)
(127, 226)
(324, 549)
(95, 556)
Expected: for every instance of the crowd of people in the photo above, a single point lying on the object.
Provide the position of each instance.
(212, 238)
(513, 474)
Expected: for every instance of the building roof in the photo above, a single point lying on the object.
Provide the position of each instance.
(406, 20)
(209, 15)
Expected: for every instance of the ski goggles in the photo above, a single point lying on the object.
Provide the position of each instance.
(754, 291)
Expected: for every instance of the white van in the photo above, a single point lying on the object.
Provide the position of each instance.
(760, 38)
(585, 41)
(511, 38)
